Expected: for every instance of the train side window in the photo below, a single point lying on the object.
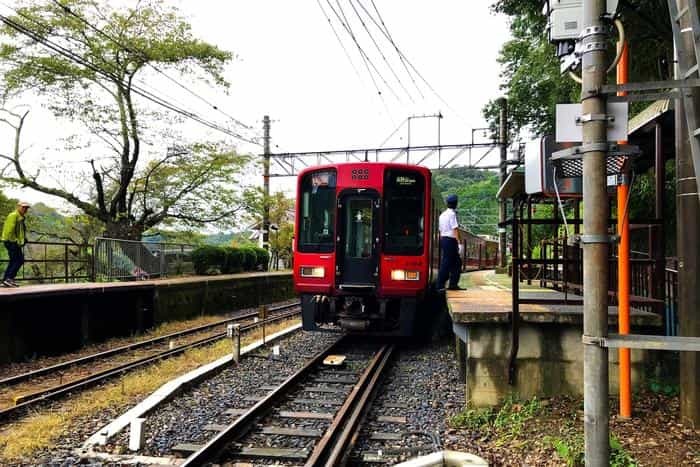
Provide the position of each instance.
(404, 203)
(317, 213)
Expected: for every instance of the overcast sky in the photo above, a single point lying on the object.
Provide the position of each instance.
(289, 65)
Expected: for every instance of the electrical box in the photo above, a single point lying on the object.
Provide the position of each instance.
(540, 173)
(566, 18)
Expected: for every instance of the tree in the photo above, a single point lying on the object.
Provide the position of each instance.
(281, 215)
(532, 81)
(131, 184)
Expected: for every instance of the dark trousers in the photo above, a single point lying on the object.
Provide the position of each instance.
(16, 260)
(450, 264)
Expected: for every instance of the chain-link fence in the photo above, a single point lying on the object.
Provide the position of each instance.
(128, 260)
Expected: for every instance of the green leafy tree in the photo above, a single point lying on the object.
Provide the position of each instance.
(130, 184)
(281, 215)
(478, 208)
(531, 78)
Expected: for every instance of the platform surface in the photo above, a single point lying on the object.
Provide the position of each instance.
(8, 293)
(489, 300)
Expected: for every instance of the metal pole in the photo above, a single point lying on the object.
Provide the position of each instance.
(503, 141)
(659, 234)
(595, 239)
(439, 118)
(266, 183)
(688, 230)
(623, 263)
(408, 142)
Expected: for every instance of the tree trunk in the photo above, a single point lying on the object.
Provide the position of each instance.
(124, 230)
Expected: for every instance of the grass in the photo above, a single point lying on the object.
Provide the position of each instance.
(506, 422)
(40, 431)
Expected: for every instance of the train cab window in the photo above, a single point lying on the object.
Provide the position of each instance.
(404, 198)
(358, 225)
(317, 212)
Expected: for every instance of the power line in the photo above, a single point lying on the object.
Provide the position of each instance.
(362, 22)
(68, 10)
(344, 21)
(100, 71)
(393, 133)
(401, 54)
(347, 55)
(391, 40)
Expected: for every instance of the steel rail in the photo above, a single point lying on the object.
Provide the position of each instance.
(334, 444)
(128, 347)
(91, 380)
(210, 451)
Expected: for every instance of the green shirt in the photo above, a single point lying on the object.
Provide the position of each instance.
(14, 229)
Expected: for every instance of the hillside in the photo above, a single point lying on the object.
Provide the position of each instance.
(478, 208)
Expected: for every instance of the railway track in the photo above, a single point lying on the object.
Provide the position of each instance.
(148, 351)
(310, 418)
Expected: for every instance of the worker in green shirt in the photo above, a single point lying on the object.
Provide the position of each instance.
(14, 236)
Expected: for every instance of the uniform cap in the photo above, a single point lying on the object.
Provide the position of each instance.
(451, 199)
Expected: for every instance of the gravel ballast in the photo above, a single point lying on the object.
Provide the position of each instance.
(184, 419)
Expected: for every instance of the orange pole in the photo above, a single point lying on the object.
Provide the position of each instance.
(623, 265)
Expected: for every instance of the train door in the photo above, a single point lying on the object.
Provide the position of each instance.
(358, 239)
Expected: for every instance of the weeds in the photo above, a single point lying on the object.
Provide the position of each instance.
(658, 386)
(507, 421)
(571, 450)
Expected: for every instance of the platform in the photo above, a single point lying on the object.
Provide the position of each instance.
(89, 288)
(490, 304)
(549, 359)
(48, 319)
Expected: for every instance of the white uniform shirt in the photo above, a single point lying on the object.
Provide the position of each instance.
(448, 222)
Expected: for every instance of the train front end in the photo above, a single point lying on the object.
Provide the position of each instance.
(361, 253)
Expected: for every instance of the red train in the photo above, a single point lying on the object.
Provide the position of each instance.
(366, 247)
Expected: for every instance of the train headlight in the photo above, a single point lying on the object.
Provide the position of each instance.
(403, 275)
(313, 271)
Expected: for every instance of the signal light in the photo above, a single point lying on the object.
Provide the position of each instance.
(403, 275)
(313, 271)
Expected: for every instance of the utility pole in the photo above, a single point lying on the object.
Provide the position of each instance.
(503, 142)
(688, 229)
(595, 238)
(266, 183)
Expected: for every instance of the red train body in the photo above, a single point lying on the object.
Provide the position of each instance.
(366, 248)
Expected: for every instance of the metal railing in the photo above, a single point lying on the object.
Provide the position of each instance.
(49, 262)
(127, 260)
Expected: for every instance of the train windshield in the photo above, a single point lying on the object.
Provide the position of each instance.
(404, 200)
(317, 212)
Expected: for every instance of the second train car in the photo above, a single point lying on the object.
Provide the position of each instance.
(366, 248)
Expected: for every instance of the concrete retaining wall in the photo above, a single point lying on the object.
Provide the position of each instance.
(48, 320)
(549, 363)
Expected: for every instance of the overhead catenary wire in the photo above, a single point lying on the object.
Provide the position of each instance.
(367, 60)
(418, 73)
(335, 33)
(100, 71)
(132, 50)
(391, 40)
(379, 50)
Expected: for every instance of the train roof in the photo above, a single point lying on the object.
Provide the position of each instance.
(393, 165)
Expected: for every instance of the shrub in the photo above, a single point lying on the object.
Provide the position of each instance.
(209, 259)
(262, 258)
(249, 259)
(234, 260)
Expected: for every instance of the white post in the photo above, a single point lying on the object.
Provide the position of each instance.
(136, 434)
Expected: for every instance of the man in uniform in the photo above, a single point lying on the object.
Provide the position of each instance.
(450, 263)
(14, 236)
